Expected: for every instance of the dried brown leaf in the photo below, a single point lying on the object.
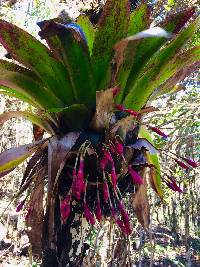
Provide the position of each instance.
(104, 106)
(140, 202)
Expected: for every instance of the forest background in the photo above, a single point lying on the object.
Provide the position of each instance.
(174, 236)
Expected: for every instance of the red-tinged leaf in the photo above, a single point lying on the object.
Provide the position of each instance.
(141, 203)
(14, 78)
(144, 143)
(170, 86)
(14, 156)
(112, 27)
(29, 116)
(68, 43)
(27, 50)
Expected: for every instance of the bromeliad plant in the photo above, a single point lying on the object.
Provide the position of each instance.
(90, 89)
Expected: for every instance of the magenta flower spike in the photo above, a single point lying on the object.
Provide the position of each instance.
(132, 112)
(137, 179)
(116, 90)
(182, 164)
(119, 107)
(113, 213)
(103, 162)
(98, 211)
(174, 186)
(88, 215)
(79, 184)
(125, 217)
(65, 208)
(121, 225)
(105, 192)
(20, 205)
(158, 131)
(114, 177)
(119, 148)
(108, 156)
(190, 162)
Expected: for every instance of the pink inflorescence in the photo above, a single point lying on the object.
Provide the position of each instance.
(65, 208)
(135, 176)
(20, 205)
(88, 214)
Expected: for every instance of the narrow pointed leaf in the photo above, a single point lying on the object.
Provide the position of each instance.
(86, 25)
(25, 82)
(112, 27)
(68, 44)
(14, 156)
(13, 93)
(27, 50)
(29, 116)
(153, 74)
(170, 86)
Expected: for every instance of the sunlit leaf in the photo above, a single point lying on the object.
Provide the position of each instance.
(88, 29)
(14, 156)
(143, 50)
(158, 69)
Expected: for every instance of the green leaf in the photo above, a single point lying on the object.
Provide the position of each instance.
(26, 83)
(75, 117)
(155, 175)
(27, 50)
(72, 49)
(139, 19)
(158, 68)
(14, 156)
(29, 116)
(86, 25)
(112, 27)
(142, 51)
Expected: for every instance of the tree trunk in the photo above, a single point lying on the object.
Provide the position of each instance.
(69, 246)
